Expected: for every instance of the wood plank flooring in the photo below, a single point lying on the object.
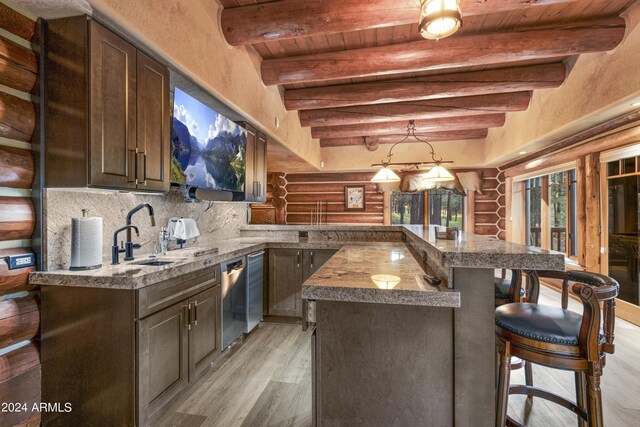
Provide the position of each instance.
(267, 382)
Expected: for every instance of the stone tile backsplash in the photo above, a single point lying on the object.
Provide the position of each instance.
(222, 221)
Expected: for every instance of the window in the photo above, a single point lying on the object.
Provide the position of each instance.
(557, 206)
(407, 208)
(534, 211)
(446, 208)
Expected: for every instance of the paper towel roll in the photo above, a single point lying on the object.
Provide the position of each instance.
(86, 243)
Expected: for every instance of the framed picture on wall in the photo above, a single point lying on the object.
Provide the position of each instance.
(354, 198)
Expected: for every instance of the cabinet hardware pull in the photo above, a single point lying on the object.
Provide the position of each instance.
(311, 259)
(298, 259)
(131, 166)
(189, 325)
(195, 313)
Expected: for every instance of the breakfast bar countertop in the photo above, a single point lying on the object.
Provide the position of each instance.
(385, 272)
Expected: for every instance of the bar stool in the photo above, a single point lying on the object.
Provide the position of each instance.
(513, 289)
(558, 338)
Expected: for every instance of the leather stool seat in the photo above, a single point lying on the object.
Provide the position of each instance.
(540, 322)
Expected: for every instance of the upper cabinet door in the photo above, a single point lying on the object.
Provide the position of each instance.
(260, 169)
(152, 154)
(112, 109)
(250, 184)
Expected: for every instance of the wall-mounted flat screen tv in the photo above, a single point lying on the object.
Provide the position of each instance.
(207, 149)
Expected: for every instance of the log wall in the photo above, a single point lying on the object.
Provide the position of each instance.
(295, 197)
(19, 301)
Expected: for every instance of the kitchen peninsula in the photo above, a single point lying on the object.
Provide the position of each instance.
(368, 329)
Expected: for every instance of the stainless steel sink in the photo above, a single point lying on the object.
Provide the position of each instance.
(154, 263)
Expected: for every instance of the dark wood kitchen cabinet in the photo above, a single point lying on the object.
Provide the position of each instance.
(107, 115)
(256, 168)
(288, 269)
(175, 347)
(127, 355)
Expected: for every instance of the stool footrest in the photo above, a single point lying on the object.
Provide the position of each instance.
(543, 394)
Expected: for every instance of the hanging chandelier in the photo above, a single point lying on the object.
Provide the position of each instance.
(439, 18)
(437, 174)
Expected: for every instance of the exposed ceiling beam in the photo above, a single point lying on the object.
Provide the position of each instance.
(454, 52)
(284, 19)
(452, 135)
(397, 128)
(416, 110)
(514, 79)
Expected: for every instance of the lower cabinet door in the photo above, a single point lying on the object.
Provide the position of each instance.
(163, 369)
(314, 259)
(205, 335)
(285, 282)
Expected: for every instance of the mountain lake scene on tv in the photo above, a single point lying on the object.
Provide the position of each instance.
(208, 150)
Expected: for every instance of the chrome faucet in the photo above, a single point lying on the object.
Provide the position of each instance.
(115, 250)
(129, 245)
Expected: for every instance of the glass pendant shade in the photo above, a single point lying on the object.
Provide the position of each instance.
(438, 174)
(385, 175)
(439, 18)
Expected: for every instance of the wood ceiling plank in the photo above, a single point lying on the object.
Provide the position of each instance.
(416, 110)
(296, 18)
(568, 39)
(429, 87)
(421, 126)
(453, 135)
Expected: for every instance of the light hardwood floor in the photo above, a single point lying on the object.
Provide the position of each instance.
(267, 382)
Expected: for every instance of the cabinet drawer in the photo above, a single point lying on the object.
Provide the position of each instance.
(163, 294)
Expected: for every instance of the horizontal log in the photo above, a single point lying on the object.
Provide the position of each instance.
(326, 188)
(16, 167)
(453, 135)
(16, 77)
(19, 55)
(417, 110)
(487, 195)
(17, 279)
(17, 218)
(347, 218)
(515, 79)
(486, 218)
(284, 19)
(398, 128)
(342, 177)
(486, 230)
(294, 208)
(19, 361)
(453, 52)
(17, 118)
(329, 197)
(16, 23)
(19, 319)
(22, 388)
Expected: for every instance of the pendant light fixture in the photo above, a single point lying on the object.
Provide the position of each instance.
(439, 18)
(437, 174)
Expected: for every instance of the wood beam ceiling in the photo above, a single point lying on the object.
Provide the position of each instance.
(416, 110)
(514, 79)
(287, 19)
(454, 52)
(422, 126)
(354, 84)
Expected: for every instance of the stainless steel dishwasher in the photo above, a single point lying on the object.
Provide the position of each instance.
(255, 273)
(234, 300)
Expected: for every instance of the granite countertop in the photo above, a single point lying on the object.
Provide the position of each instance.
(131, 275)
(384, 273)
(469, 250)
(477, 251)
